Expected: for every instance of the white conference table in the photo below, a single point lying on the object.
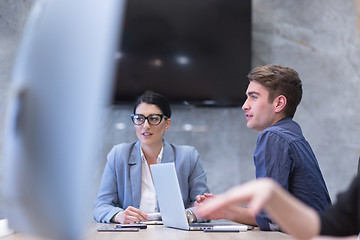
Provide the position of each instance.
(155, 232)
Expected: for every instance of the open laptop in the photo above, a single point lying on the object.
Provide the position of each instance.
(170, 200)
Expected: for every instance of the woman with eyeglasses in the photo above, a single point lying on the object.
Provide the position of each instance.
(127, 193)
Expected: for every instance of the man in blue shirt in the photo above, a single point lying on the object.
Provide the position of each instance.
(282, 153)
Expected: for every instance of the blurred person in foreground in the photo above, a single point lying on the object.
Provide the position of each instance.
(338, 221)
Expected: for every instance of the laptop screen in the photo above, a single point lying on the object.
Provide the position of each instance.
(169, 195)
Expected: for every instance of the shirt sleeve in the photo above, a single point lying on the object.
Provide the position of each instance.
(343, 218)
(273, 153)
(272, 159)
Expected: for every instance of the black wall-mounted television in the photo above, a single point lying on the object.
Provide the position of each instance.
(195, 52)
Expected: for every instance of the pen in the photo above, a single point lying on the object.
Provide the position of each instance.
(220, 230)
(241, 228)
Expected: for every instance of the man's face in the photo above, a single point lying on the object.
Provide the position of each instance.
(260, 113)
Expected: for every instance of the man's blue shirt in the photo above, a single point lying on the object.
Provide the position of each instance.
(283, 154)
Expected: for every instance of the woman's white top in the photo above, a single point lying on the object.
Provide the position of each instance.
(148, 202)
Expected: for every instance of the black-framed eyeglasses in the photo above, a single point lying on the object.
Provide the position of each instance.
(153, 119)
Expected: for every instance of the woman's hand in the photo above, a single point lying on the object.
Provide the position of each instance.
(130, 215)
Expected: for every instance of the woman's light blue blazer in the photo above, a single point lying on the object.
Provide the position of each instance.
(120, 185)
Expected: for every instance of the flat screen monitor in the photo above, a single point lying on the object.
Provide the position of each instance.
(192, 52)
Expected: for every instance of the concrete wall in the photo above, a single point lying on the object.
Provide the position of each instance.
(318, 38)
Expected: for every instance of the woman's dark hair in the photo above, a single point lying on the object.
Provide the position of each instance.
(157, 99)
